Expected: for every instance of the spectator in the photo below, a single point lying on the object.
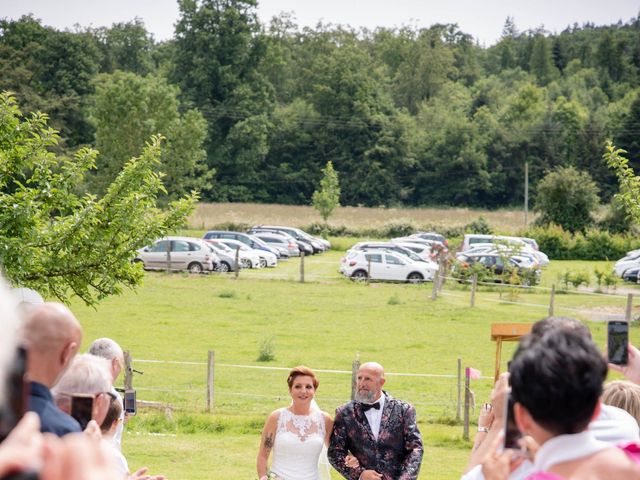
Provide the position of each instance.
(109, 427)
(624, 395)
(556, 383)
(111, 351)
(52, 336)
(87, 375)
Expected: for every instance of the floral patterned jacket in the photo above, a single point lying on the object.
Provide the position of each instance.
(397, 454)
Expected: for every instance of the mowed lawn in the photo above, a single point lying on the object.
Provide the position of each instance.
(325, 323)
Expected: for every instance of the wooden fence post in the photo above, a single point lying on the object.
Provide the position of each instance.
(128, 371)
(237, 272)
(474, 285)
(552, 300)
(627, 313)
(210, 391)
(168, 256)
(465, 433)
(444, 266)
(355, 366)
(434, 290)
(369, 268)
(459, 407)
(302, 266)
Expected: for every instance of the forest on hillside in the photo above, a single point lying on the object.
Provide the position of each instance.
(408, 116)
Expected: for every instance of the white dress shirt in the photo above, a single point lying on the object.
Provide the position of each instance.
(374, 417)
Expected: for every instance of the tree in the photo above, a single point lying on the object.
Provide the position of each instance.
(567, 197)
(327, 198)
(128, 108)
(629, 194)
(61, 243)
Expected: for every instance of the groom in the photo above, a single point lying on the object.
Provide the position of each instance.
(380, 431)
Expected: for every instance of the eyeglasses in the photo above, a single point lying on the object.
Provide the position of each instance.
(111, 395)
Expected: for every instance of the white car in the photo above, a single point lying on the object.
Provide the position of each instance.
(265, 259)
(631, 259)
(247, 256)
(511, 250)
(178, 253)
(386, 265)
(424, 251)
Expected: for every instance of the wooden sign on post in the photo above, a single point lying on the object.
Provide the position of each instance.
(506, 332)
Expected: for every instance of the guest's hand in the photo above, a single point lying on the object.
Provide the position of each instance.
(141, 474)
(632, 369)
(499, 398)
(370, 475)
(22, 450)
(93, 431)
(498, 463)
(351, 461)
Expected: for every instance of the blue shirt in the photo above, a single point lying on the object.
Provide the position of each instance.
(52, 419)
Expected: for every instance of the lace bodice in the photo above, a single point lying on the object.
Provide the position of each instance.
(297, 446)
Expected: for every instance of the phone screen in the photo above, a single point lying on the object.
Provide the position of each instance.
(511, 432)
(130, 402)
(617, 341)
(82, 409)
(15, 406)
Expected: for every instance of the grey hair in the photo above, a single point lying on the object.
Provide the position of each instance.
(8, 333)
(87, 375)
(106, 348)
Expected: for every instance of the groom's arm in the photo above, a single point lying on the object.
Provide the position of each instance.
(338, 449)
(412, 445)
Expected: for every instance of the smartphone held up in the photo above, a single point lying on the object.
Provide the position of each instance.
(617, 342)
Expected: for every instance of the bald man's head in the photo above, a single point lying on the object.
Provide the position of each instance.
(52, 335)
(50, 325)
(369, 382)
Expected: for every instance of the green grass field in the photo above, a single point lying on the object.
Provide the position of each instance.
(324, 323)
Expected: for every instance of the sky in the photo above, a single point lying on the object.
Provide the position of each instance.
(483, 19)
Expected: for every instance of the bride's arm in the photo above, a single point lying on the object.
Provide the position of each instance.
(266, 444)
(328, 427)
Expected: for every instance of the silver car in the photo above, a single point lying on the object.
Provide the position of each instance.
(178, 253)
(287, 246)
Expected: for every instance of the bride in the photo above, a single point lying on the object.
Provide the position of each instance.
(296, 434)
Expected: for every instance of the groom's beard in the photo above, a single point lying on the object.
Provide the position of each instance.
(365, 396)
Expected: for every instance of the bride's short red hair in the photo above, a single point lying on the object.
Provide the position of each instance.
(302, 371)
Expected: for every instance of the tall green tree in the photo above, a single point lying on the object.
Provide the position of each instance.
(129, 108)
(327, 197)
(567, 197)
(218, 50)
(61, 243)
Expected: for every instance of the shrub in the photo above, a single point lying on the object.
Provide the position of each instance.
(267, 350)
(480, 226)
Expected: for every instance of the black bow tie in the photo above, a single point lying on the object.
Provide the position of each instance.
(369, 406)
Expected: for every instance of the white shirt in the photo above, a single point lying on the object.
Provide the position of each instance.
(374, 417)
(613, 426)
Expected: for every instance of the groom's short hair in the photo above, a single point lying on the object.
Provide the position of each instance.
(302, 371)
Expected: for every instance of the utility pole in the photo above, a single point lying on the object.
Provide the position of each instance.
(526, 193)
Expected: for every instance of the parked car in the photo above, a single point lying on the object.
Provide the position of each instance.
(247, 256)
(630, 260)
(226, 254)
(386, 265)
(248, 240)
(303, 245)
(497, 264)
(631, 274)
(432, 236)
(180, 253)
(522, 254)
(285, 244)
(424, 251)
(265, 259)
(393, 247)
(319, 244)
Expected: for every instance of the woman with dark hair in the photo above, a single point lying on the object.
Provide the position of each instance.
(556, 383)
(296, 434)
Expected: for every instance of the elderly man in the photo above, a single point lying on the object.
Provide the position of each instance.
(52, 336)
(111, 351)
(378, 430)
(87, 375)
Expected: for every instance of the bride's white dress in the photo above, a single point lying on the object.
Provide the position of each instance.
(297, 446)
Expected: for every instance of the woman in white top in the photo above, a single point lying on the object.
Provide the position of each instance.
(296, 434)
